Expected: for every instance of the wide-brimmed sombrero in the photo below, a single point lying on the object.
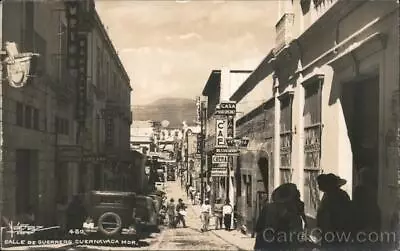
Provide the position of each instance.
(330, 180)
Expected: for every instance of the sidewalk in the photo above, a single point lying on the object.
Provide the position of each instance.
(234, 237)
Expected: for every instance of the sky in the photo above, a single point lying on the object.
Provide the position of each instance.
(169, 48)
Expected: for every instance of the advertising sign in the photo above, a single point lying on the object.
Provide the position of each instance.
(230, 127)
(221, 130)
(219, 159)
(199, 143)
(226, 151)
(81, 86)
(219, 172)
(110, 130)
(72, 9)
(226, 109)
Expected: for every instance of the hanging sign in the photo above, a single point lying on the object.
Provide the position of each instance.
(81, 85)
(221, 130)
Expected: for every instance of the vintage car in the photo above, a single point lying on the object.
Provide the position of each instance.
(111, 213)
(146, 214)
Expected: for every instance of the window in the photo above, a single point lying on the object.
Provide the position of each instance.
(61, 125)
(28, 117)
(20, 114)
(35, 119)
(286, 137)
(312, 145)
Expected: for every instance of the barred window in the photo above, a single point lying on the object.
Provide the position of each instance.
(312, 145)
(286, 138)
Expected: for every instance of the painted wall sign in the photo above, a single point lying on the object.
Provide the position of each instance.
(221, 131)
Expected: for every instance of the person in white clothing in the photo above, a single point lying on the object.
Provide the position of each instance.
(227, 214)
(205, 215)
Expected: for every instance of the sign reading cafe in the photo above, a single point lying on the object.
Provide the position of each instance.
(221, 132)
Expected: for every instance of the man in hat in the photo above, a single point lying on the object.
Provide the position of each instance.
(334, 212)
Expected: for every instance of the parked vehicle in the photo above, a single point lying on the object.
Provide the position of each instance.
(146, 213)
(171, 173)
(160, 181)
(111, 213)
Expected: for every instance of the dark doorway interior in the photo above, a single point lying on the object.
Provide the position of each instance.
(360, 102)
(26, 181)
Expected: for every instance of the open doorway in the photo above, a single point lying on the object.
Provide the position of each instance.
(360, 102)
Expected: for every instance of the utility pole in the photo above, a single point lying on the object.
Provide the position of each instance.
(202, 137)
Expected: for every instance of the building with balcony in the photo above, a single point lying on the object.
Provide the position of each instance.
(330, 104)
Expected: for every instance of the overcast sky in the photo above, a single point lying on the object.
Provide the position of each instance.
(169, 48)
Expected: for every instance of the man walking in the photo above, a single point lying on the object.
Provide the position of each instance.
(171, 213)
(181, 212)
(227, 214)
(218, 214)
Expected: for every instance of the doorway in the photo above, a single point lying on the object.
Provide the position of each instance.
(26, 181)
(360, 101)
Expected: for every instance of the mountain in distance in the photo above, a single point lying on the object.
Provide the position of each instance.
(175, 110)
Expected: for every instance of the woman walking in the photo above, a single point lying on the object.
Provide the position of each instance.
(171, 213)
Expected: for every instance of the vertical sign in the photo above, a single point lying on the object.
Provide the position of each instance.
(221, 131)
(81, 86)
(72, 8)
(199, 141)
(109, 130)
(198, 106)
(230, 126)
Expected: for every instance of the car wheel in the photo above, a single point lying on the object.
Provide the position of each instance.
(109, 223)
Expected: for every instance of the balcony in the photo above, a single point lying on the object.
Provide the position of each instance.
(284, 32)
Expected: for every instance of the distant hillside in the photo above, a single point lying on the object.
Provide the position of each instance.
(175, 110)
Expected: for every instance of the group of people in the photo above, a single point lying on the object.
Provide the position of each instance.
(222, 213)
(176, 213)
(337, 215)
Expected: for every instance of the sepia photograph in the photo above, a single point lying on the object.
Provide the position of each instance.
(265, 125)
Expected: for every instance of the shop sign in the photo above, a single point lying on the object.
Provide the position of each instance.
(110, 131)
(226, 151)
(230, 126)
(219, 159)
(94, 158)
(81, 86)
(219, 172)
(199, 143)
(72, 9)
(221, 127)
(226, 109)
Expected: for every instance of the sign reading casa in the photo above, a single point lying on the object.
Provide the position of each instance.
(221, 132)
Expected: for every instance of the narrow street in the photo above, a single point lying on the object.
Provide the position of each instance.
(190, 238)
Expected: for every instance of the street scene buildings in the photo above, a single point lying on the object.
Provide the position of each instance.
(77, 156)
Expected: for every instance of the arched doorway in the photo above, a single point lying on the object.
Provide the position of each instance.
(262, 191)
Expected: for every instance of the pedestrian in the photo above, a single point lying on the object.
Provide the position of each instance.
(181, 213)
(227, 211)
(280, 217)
(205, 213)
(171, 213)
(192, 195)
(187, 190)
(334, 212)
(218, 213)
